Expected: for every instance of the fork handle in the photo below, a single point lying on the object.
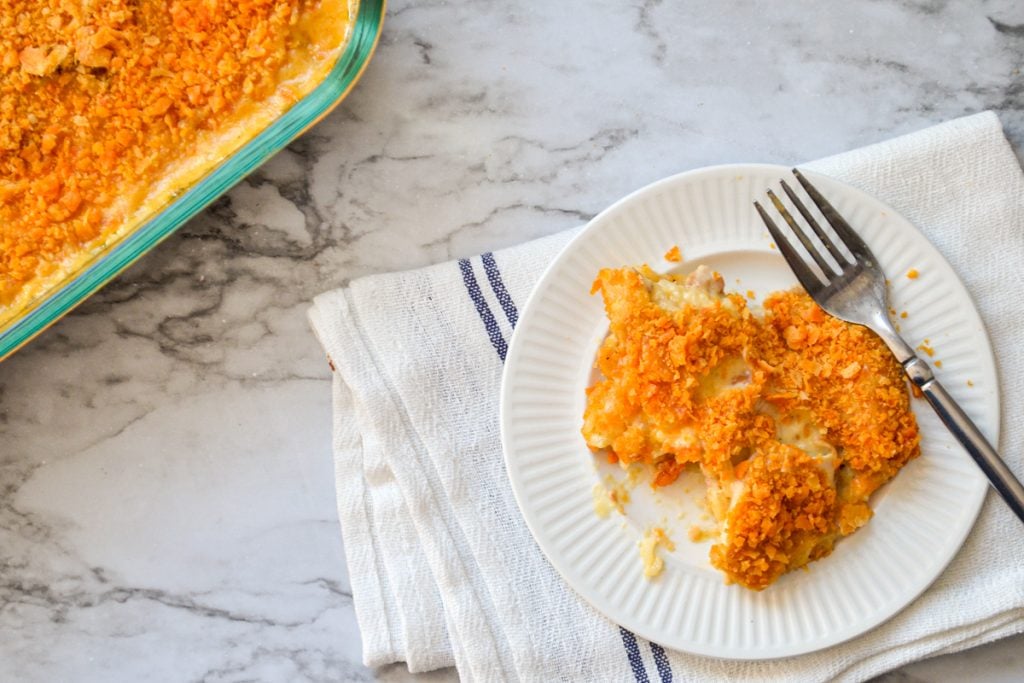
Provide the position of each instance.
(968, 434)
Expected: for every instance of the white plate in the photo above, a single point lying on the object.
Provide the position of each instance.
(921, 517)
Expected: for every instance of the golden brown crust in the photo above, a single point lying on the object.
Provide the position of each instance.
(784, 515)
(715, 385)
(96, 99)
(854, 388)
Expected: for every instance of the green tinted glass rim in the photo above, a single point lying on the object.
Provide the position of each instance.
(271, 140)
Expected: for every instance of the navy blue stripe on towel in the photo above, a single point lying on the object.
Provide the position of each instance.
(494, 277)
(661, 661)
(633, 652)
(498, 341)
(482, 309)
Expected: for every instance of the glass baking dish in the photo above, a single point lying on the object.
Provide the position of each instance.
(120, 253)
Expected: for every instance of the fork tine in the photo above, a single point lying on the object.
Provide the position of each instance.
(826, 268)
(805, 275)
(843, 230)
(838, 255)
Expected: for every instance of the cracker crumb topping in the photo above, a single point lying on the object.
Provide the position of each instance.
(795, 418)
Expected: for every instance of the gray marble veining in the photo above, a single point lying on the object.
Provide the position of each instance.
(166, 489)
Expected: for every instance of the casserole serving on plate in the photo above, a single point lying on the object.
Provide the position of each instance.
(638, 565)
(120, 120)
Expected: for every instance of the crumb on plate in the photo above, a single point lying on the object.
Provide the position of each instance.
(651, 540)
(608, 496)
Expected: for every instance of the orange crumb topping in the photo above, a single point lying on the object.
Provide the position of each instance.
(912, 273)
(795, 419)
(97, 99)
(674, 255)
(786, 518)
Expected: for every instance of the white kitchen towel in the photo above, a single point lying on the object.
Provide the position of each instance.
(443, 568)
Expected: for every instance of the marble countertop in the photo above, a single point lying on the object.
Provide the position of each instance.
(166, 487)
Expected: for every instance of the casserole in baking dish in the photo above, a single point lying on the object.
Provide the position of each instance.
(119, 120)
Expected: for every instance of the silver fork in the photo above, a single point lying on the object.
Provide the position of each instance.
(856, 292)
